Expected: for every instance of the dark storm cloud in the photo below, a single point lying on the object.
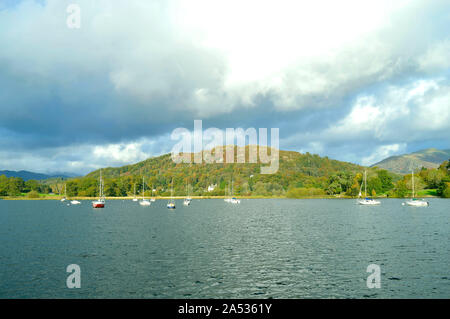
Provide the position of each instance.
(135, 71)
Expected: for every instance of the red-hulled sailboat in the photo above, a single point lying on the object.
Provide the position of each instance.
(100, 203)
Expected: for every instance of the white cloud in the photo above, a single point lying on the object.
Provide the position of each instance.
(384, 123)
(383, 152)
(83, 158)
(397, 112)
(120, 153)
(436, 58)
(298, 52)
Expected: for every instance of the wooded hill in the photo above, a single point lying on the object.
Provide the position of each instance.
(299, 175)
(296, 170)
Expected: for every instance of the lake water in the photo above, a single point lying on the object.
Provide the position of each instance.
(262, 248)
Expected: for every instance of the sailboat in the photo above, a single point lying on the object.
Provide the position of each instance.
(188, 199)
(100, 203)
(152, 199)
(227, 198)
(367, 200)
(414, 201)
(65, 194)
(233, 199)
(171, 203)
(135, 198)
(144, 202)
(75, 202)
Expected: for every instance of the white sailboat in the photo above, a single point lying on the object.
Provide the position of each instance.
(188, 199)
(75, 202)
(100, 203)
(153, 198)
(171, 203)
(144, 202)
(65, 194)
(414, 201)
(367, 201)
(233, 199)
(227, 198)
(135, 198)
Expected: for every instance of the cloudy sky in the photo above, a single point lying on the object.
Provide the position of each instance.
(353, 80)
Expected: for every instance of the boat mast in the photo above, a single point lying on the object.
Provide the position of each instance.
(143, 187)
(365, 183)
(412, 174)
(100, 186)
(171, 192)
(231, 193)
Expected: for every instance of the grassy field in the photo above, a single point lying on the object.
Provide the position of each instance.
(426, 193)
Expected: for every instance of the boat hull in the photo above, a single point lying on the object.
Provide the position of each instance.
(144, 203)
(234, 200)
(98, 205)
(417, 203)
(369, 202)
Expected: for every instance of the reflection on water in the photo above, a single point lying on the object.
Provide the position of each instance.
(259, 249)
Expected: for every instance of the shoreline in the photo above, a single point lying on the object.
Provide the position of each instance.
(58, 198)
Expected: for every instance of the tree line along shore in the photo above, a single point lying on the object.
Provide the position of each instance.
(328, 181)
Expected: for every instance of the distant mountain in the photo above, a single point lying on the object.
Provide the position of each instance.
(26, 175)
(402, 164)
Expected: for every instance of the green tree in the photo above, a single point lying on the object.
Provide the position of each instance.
(72, 188)
(334, 188)
(32, 185)
(15, 186)
(446, 191)
(401, 190)
(444, 187)
(374, 184)
(385, 180)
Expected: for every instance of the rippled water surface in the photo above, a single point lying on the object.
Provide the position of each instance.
(261, 248)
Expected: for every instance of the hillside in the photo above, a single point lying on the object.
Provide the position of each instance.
(402, 164)
(299, 176)
(295, 170)
(26, 175)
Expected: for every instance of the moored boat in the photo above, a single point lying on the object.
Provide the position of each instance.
(171, 203)
(100, 203)
(65, 194)
(188, 199)
(144, 202)
(234, 200)
(367, 201)
(414, 201)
